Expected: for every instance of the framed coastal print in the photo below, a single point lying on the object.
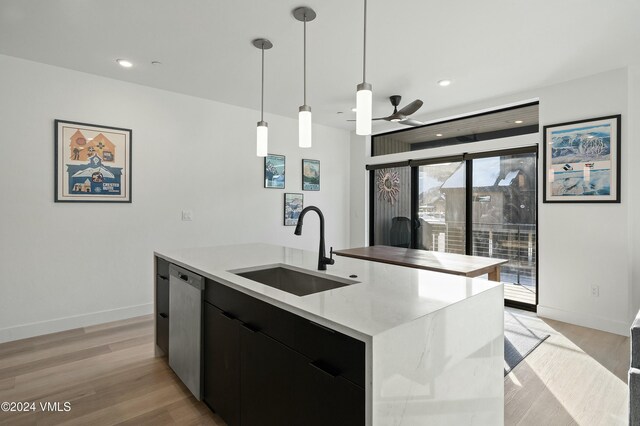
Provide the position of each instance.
(582, 161)
(293, 205)
(92, 163)
(274, 171)
(310, 175)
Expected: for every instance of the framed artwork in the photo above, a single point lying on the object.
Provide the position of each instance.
(582, 161)
(92, 163)
(293, 205)
(274, 171)
(310, 175)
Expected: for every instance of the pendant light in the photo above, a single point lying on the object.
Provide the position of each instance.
(262, 133)
(304, 14)
(364, 95)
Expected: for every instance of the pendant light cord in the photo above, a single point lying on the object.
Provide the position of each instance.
(305, 59)
(364, 55)
(262, 90)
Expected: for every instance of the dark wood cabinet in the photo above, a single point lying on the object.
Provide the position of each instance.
(222, 364)
(266, 385)
(266, 366)
(323, 397)
(162, 305)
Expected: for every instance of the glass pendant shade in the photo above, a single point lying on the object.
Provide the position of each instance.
(363, 109)
(304, 127)
(262, 139)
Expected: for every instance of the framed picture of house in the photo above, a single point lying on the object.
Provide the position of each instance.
(274, 171)
(92, 163)
(582, 161)
(293, 205)
(310, 175)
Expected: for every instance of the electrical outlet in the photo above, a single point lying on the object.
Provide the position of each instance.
(595, 291)
(187, 215)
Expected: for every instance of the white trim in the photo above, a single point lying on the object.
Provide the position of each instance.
(590, 321)
(68, 323)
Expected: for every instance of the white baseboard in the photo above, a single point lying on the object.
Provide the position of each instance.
(61, 324)
(590, 321)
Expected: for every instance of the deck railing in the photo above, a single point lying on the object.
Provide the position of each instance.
(515, 242)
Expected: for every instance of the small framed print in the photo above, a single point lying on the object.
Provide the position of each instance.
(582, 161)
(92, 163)
(310, 175)
(274, 171)
(293, 205)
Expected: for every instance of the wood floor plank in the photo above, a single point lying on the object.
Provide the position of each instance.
(76, 373)
(8, 383)
(74, 342)
(25, 345)
(53, 362)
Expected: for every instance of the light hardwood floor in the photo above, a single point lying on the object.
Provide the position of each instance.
(578, 376)
(110, 376)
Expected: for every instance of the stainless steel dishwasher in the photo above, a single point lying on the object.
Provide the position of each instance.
(185, 327)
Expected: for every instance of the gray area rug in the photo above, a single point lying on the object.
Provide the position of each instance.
(519, 341)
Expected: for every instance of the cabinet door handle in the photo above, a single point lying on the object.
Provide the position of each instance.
(183, 277)
(326, 370)
(227, 315)
(250, 328)
(323, 327)
(162, 277)
(163, 315)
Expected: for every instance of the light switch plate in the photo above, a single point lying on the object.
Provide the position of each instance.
(187, 215)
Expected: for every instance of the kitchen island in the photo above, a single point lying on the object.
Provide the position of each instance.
(431, 343)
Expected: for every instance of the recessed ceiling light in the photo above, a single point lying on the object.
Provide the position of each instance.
(438, 134)
(518, 121)
(354, 109)
(124, 63)
(444, 83)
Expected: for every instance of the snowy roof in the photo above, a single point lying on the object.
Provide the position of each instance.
(508, 179)
(485, 173)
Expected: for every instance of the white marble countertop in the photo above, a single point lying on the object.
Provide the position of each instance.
(386, 296)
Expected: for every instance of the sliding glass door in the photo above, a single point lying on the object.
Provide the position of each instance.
(504, 219)
(476, 204)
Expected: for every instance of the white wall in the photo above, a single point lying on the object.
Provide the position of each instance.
(580, 245)
(67, 265)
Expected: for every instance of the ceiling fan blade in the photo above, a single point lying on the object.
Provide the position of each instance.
(373, 119)
(411, 122)
(411, 108)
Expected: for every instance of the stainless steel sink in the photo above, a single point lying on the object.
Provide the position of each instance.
(292, 280)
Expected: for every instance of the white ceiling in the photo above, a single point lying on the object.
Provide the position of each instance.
(488, 48)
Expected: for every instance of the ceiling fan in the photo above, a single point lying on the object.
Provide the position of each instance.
(402, 116)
